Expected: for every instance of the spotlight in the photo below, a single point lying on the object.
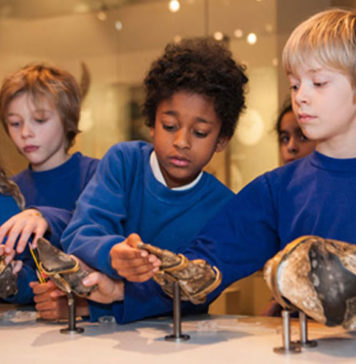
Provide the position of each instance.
(251, 38)
(174, 6)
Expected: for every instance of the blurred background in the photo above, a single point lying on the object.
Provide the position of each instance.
(116, 40)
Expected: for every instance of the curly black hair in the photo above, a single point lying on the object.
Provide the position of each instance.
(198, 65)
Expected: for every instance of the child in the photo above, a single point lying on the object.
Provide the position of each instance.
(11, 203)
(194, 95)
(40, 108)
(313, 195)
(293, 144)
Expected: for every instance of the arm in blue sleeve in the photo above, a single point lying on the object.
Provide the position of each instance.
(97, 310)
(241, 237)
(57, 220)
(97, 223)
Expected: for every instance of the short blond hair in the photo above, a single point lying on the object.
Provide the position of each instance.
(56, 85)
(329, 38)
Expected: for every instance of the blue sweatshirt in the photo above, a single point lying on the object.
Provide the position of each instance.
(54, 193)
(124, 197)
(59, 187)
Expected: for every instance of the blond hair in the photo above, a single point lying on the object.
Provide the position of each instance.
(10, 188)
(58, 86)
(329, 38)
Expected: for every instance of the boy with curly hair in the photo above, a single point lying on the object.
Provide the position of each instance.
(194, 96)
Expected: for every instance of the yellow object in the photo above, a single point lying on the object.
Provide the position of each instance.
(40, 277)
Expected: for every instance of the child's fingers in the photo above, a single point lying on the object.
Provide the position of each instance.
(12, 232)
(124, 251)
(3, 231)
(154, 260)
(138, 274)
(41, 228)
(132, 240)
(23, 240)
(91, 279)
(40, 288)
(9, 257)
(122, 265)
(17, 266)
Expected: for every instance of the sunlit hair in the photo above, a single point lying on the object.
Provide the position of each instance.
(328, 38)
(201, 66)
(40, 81)
(10, 188)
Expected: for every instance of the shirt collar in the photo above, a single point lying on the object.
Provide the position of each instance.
(159, 176)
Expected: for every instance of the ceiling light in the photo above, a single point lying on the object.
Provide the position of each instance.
(174, 6)
(219, 35)
(118, 25)
(251, 38)
(102, 13)
(238, 33)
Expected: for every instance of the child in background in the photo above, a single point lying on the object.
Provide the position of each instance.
(40, 109)
(293, 144)
(314, 195)
(194, 96)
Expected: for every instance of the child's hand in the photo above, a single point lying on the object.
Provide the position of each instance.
(9, 258)
(52, 303)
(22, 226)
(134, 264)
(108, 291)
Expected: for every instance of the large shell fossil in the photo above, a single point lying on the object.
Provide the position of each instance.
(318, 277)
(62, 268)
(8, 280)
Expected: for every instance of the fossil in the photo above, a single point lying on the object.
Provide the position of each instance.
(62, 268)
(317, 276)
(8, 280)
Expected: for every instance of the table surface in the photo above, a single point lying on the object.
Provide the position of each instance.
(213, 339)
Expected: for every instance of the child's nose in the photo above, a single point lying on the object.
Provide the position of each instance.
(26, 131)
(182, 139)
(301, 95)
(293, 146)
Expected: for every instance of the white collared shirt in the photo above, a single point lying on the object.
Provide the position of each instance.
(159, 176)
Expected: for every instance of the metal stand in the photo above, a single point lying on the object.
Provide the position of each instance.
(71, 329)
(303, 328)
(177, 322)
(288, 345)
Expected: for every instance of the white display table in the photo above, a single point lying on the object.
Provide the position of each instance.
(214, 339)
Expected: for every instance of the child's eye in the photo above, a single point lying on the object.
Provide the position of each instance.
(169, 127)
(200, 134)
(319, 84)
(284, 139)
(13, 124)
(40, 121)
(294, 87)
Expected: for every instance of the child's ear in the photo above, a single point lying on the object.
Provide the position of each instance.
(152, 132)
(223, 141)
